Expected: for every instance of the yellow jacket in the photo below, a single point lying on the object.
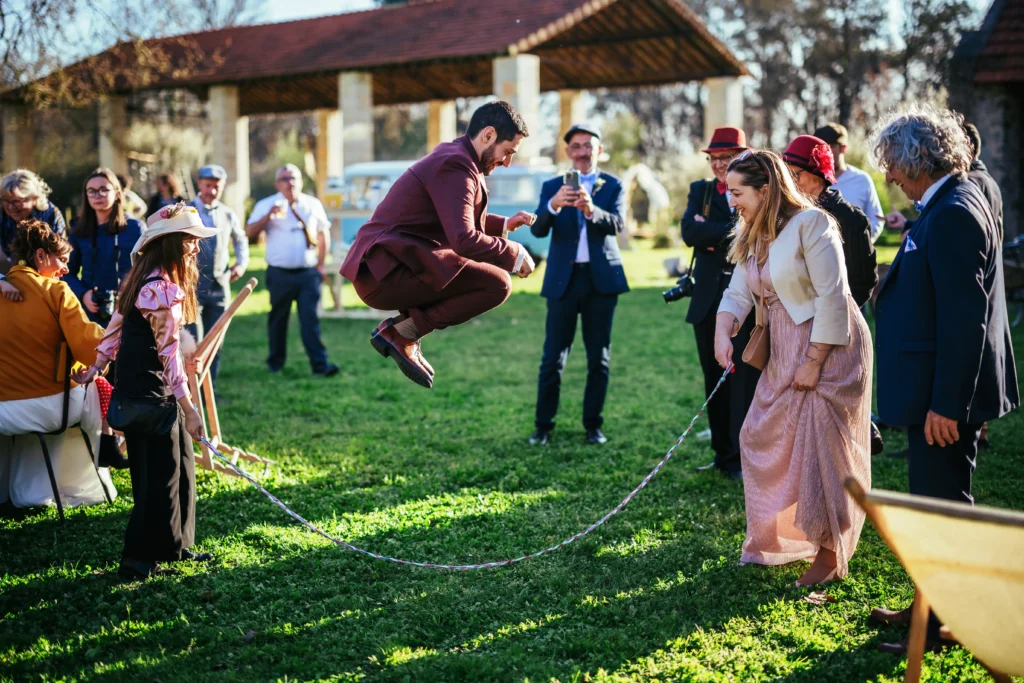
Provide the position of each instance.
(35, 335)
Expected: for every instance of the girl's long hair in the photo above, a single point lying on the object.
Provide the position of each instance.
(88, 223)
(166, 253)
(782, 201)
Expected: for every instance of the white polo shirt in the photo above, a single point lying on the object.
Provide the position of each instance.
(286, 240)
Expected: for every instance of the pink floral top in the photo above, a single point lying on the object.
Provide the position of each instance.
(160, 303)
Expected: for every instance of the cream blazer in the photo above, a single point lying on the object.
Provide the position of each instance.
(809, 275)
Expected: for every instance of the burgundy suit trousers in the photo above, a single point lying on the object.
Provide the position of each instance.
(477, 288)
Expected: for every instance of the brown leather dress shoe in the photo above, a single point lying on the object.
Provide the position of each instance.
(405, 352)
(889, 617)
(390, 322)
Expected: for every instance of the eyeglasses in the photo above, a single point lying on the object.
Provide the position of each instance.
(98, 192)
(720, 160)
(17, 201)
(576, 147)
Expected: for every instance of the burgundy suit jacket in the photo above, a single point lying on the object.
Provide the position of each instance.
(433, 221)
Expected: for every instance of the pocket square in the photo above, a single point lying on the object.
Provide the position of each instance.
(910, 246)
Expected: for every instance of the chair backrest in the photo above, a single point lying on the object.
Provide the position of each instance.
(968, 562)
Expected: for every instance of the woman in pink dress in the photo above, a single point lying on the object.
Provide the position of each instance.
(807, 430)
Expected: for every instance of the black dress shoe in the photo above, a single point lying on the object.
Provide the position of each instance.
(330, 371)
(140, 570)
(595, 436)
(901, 648)
(196, 557)
(540, 437)
(877, 445)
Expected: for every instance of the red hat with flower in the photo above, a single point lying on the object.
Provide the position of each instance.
(813, 155)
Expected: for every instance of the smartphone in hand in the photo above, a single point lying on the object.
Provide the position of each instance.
(572, 179)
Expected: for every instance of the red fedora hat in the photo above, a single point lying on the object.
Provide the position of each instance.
(726, 139)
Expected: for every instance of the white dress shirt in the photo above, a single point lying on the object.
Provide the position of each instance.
(286, 240)
(929, 194)
(583, 248)
(858, 188)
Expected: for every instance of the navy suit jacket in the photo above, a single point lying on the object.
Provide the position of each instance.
(710, 240)
(941, 326)
(607, 221)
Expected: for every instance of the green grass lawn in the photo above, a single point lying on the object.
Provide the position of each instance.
(445, 475)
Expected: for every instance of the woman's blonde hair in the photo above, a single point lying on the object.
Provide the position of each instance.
(782, 201)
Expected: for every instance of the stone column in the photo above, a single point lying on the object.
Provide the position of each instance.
(724, 104)
(328, 148)
(441, 123)
(572, 112)
(19, 137)
(517, 81)
(113, 129)
(230, 135)
(355, 100)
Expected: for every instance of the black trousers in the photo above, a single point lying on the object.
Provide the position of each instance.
(728, 410)
(596, 310)
(943, 473)
(163, 519)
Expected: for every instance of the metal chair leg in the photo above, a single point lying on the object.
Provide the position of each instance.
(53, 479)
(92, 458)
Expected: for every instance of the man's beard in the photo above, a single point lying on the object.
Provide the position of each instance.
(487, 159)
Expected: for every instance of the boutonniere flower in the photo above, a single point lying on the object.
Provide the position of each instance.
(598, 184)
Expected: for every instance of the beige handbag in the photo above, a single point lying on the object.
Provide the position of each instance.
(759, 347)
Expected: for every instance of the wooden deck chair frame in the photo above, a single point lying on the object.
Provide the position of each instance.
(200, 379)
(870, 501)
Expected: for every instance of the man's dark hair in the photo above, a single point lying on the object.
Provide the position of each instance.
(975, 137)
(502, 116)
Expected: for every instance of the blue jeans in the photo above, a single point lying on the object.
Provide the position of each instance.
(211, 308)
(301, 285)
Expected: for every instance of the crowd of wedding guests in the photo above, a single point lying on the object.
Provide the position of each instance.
(784, 264)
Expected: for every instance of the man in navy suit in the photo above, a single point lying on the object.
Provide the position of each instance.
(945, 358)
(583, 280)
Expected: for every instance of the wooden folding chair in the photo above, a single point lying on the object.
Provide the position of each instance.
(199, 378)
(968, 565)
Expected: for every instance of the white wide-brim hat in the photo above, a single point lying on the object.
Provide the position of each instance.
(178, 218)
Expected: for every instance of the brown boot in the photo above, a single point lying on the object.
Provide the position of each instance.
(390, 322)
(405, 352)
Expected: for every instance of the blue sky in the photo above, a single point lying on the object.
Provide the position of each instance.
(280, 10)
(284, 10)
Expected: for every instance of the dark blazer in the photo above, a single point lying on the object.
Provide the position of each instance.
(858, 250)
(980, 176)
(941, 325)
(710, 241)
(607, 221)
(92, 262)
(433, 221)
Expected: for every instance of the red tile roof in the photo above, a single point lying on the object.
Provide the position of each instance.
(426, 49)
(1001, 59)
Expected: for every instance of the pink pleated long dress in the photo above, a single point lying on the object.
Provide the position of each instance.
(798, 447)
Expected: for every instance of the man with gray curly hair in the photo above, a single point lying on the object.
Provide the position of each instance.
(945, 359)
